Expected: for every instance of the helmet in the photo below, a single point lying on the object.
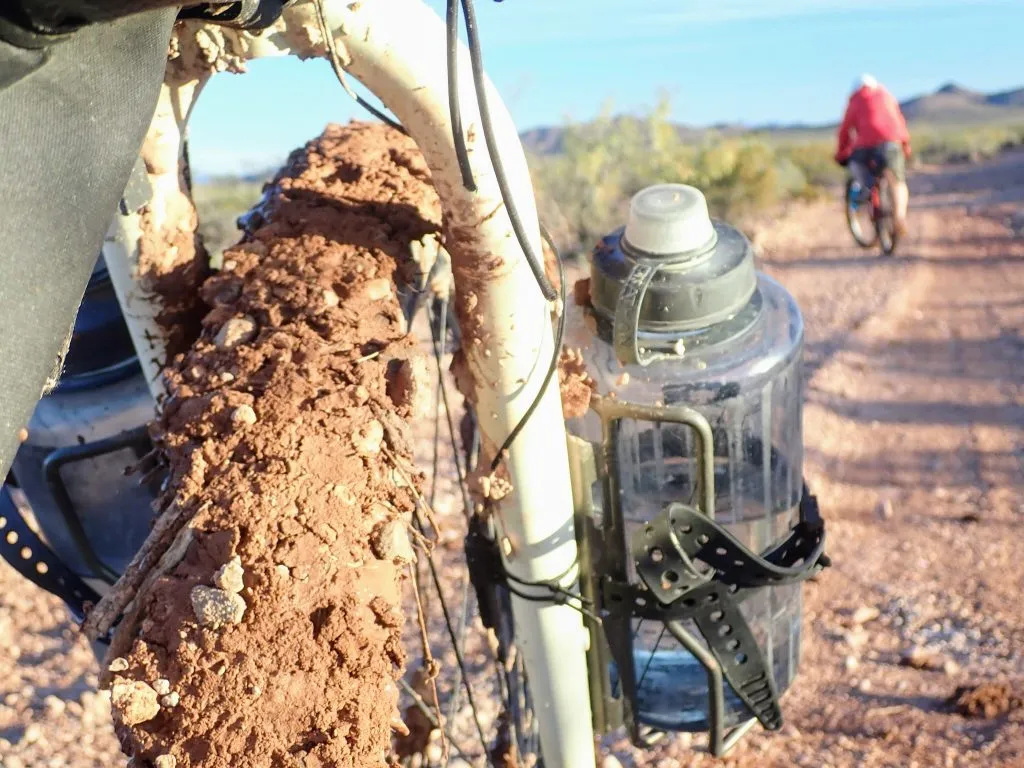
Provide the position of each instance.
(865, 81)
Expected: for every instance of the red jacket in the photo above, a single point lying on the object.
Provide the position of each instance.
(872, 117)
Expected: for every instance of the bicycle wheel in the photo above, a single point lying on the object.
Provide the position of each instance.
(885, 216)
(859, 218)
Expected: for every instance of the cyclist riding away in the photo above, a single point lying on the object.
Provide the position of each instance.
(874, 128)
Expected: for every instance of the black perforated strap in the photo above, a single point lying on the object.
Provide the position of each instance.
(714, 608)
(29, 556)
(717, 615)
(696, 537)
(666, 554)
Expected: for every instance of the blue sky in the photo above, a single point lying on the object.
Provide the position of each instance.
(750, 61)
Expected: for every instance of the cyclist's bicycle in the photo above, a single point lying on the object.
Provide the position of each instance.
(870, 210)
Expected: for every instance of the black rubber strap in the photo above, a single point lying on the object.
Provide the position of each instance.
(696, 537)
(666, 552)
(717, 615)
(659, 568)
(29, 556)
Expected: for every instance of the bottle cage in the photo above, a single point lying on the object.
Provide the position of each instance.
(674, 590)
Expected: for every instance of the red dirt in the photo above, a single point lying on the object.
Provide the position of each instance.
(282, 449)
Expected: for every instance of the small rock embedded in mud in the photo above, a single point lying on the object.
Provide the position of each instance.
(229, 577)
(851, 663)
(237, 330)
(243, 414)
(165, 761)
(54, 706)
(134, 701)
(368, 438)
(331, 298)
(391, 542)
(171, 700)
(162, 686)
(856, 638)
(344, 494)
(118, 665)
(377, 289)
(283, 571)
(215, 607)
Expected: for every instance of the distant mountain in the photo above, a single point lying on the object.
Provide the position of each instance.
(1013, 98)
(951, 104)
(550, 140)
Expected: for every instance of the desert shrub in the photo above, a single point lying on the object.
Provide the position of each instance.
(219, 203)
(965, 145)
(584, 191)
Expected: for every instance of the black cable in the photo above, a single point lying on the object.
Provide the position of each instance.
(380, 115)
(552, 368)
(476, 58)
(464, 490)
(339, 72)
(452, 40)
(650, 659)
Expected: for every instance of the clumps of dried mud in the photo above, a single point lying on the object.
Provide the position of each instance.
(172, 264)
(576, 385)
(275, 639)
(986, 700)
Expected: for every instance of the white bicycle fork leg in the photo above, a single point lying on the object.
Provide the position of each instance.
(162, 154)
(397, 49)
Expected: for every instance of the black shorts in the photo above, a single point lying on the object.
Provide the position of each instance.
(876, 159)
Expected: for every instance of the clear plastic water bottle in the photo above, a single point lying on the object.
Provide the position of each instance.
(727, 341)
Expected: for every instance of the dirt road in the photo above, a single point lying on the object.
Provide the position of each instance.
(915, 446)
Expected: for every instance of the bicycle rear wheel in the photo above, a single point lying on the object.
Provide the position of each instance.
(859, 218)
(885, 216)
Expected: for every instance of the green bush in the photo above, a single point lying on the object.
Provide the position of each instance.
(584, 191)
(964, 145)
(219, 203)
